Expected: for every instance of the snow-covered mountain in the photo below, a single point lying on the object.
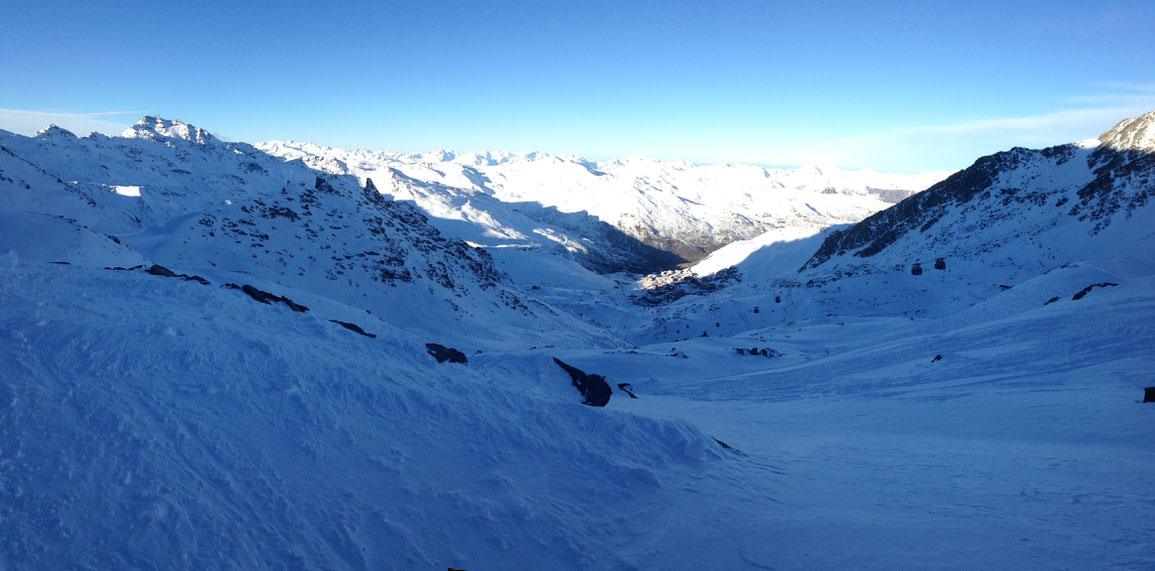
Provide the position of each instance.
(1023, 209)
(677, 207)
(272, 397)
(1006, 220)
(173, 194)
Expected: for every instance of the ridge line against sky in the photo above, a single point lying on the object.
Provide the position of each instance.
(893, 86)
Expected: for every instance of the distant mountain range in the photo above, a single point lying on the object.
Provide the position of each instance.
(560, 201)
(218, 355)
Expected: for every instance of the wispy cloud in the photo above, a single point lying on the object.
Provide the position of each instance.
(1116, 93)
(955, 145)
(27, 122)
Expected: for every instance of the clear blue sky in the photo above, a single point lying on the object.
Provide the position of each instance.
(898, 86)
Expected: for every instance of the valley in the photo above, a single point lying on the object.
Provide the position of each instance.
(803, 398)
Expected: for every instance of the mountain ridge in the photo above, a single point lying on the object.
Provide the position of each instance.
(176, 196)
(689, 210)
(1073, 183)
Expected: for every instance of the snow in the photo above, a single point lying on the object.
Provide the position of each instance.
(125, 190)
(150, 421)
(690, 208)
(1134, 134)
(205, 428)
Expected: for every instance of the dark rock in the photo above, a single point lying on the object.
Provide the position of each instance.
(114, 238)
(1088, 289)
(728, 447)
(626, 387)
(916, 270)
(1052, 300)
(268, 298)
(443, 353)
(158, 270)
(259, 295)
(63, 263)
(593, 388)
(354, 328)
(936, 359)
(294, 306)
(1149, 394)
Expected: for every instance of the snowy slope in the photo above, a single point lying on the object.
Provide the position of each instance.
(1024, 446)
(175, 195)
(1008, 219)
(153, 422)
(1027, 210)
(849, 415)
(678, 207)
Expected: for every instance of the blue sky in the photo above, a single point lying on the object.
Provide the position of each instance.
(895, 86)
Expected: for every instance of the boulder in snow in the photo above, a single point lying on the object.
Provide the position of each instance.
(443, 353)
(354, 328)
(593, 388)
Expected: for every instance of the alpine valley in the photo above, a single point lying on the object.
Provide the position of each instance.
(283, 355)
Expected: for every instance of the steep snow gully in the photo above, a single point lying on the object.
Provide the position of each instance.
(212, 356)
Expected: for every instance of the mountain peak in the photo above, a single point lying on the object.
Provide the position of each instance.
(1134, 134)
(161, 129)
(53, 131)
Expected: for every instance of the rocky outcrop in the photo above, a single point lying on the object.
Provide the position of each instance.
(158, 270)
(1088, 289)
(354, 328)
(267, 298)
(593, 388)
(443, 353)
